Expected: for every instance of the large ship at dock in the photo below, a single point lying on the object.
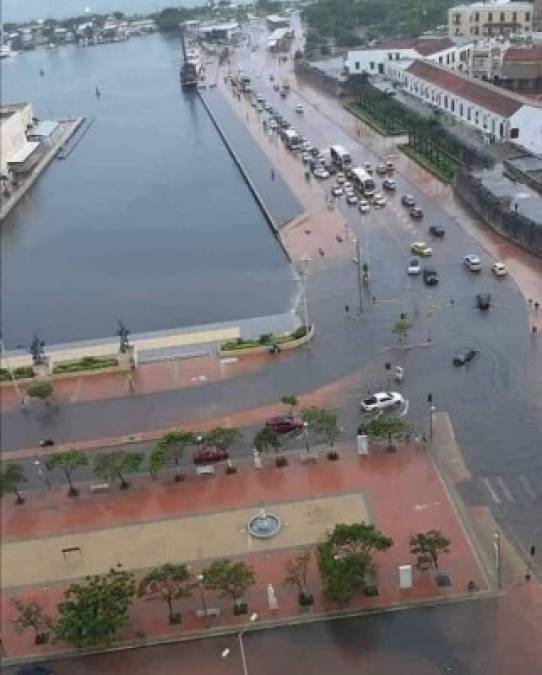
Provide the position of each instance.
(192, 64)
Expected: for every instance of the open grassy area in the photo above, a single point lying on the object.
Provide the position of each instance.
(366, 117)
(444, 173)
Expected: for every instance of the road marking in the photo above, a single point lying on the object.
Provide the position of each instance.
(505, 489)
(491, 491)
(527, 486)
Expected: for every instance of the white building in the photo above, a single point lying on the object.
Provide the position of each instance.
(15, 120)
(373, 60)
(280, 40)
(275, 21)
(219, 32)
(494, 17)
(497, 113)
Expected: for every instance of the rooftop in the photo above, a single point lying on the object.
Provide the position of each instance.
(529, 202)
(522, 54)
(500, 101)
(424, 46)
(490, 4)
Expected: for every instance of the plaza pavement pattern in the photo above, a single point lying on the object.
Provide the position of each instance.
(205, 517)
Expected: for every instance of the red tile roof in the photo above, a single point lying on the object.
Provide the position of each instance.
(499, 101)
(424, 46)
(524, 54)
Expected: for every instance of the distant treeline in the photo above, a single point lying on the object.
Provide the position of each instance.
(345, 21)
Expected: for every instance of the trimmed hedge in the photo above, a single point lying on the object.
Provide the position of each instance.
(86, 363)
(18, 373)
(265, 340)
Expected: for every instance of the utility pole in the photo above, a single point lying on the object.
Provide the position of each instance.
(498, 562)
(357, 263)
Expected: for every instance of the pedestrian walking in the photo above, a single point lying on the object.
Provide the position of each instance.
(374, 299)
(347, 311)
(272, 174)
(534, 330)
(131, 383)
(536, 306)
(530, 303)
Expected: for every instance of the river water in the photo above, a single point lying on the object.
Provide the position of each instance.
(148, 219)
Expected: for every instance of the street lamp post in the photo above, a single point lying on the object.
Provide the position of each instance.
(226, 652)
(498, 563)
(42, 474)
(306, 437)
(357, 263)
(12, 376)
(303, 272)
(199, 579)
(432, 410)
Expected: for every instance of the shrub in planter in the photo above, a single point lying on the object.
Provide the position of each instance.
(265, 338)
(299, 333)
(305, 599)
(333, 455)
(281, 461)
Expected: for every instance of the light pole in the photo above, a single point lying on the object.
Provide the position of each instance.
(42, 474)
(306, 437)
(199, 579)
(498, 564)
(357, 263)
(12, 376)
(226, 652)
(303, 270)
(432, 410)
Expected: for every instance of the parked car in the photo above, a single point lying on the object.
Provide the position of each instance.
(483, 301)
(347, 185)
(351, 198)
(416, 213)
(284, 424)
(437, 231)
(321, 173)
(408, 200)
(499, 269)
(209, 455)
(315, 152)
(337, 191)
(472, 263)
(379, 201)
(464, 356)
(421, 248)
(389, 165)
(381, 169)
(381, 400)
(363, 206)
(389, 184)
(430, 276)
(299, 108)
(414, 266)
(340, 178)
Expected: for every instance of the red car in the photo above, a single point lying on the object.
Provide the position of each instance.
(284, 424)
(210, 455)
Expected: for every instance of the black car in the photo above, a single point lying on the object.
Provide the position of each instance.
(437, 231)
(416, 213)
(464, 356)
(430, 276)
(408, 200)
(315, 152)
(483, 301)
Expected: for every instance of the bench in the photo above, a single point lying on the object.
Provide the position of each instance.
(99, 487)
(205, 470)
(212, 611)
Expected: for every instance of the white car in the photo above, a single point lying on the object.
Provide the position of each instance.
(259, 108)
(389, 184)
(363, 206)
(299, 108)
(347, 185)
(472, 263)
(272, 124)
(381, 400)
(499, 269)
(321, 173)
(337, 191)
(379, 200)
(414, 266)
(340, 178)
(351, 198)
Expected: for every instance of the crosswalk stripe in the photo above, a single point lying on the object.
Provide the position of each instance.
(491, 491)
(527, 486)
(505, 489)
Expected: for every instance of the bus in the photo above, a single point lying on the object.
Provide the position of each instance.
(291, 138)
(340, 156)
(363, 181)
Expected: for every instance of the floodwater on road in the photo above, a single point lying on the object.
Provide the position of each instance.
(148, 219)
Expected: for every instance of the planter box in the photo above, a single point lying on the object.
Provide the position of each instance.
(263, 349)
(86, 373)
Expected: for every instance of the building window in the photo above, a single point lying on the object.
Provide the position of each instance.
(490, 17)
(515, 17)
(372, 65)
(477, 17)
(503, 17)
(476, 117)
(469, 114)
(514, 133)
(476, 30)
(457, 19)
(440, 59)
(397, 56)
(390, 56)
(461, 109)
(527, 18)
(357, 65)
(446, 102)
(501, 130)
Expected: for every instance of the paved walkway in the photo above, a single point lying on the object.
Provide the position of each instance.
(400, 492)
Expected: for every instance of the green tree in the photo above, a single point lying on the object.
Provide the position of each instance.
(230, 579)
(345, 558)
(67, 462)
(168, 583)
(386, 426)
(114, 465)
(401, 328)
(41, 390)
(31, 615)
(266, 439)
(428, 546)
(222, 438)
(170, 449)
(323, 422)
(291, 401)
(296, 574)
(93, 612)
(10, 481)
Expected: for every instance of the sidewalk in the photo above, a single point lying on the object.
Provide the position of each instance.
(401, 491)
